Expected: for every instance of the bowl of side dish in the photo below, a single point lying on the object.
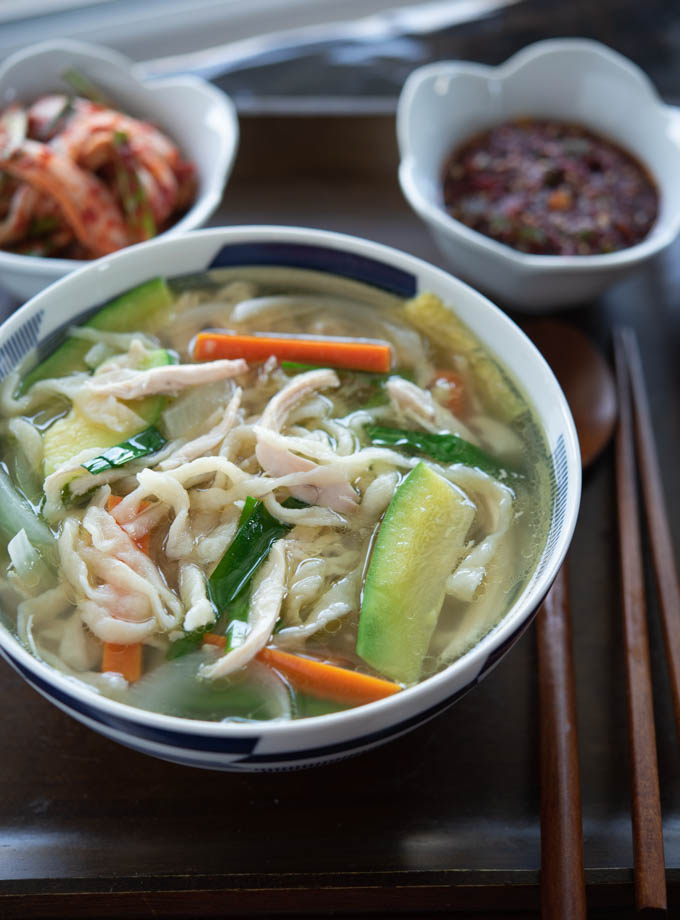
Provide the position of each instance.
(96, 158)
(498, 239)
(347, 502)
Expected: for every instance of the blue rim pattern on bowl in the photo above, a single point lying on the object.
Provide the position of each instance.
(232, 754)
(186, 744)
(18, 345)
(240, 753)
(559, 484)
(319, 258)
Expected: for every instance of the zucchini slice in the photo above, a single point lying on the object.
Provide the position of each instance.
(420, 540)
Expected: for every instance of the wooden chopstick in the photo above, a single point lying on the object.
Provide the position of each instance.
(648, 852)
(563, 890)
(663, 557)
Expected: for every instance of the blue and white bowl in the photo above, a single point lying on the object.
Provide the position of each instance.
(318, 740)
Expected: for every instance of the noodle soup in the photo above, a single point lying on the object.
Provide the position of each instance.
(265, 493)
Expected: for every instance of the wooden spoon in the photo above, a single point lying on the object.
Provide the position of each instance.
(586, 379)
(589, 387)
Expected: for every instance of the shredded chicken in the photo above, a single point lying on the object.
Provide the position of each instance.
(120, 593)
(339, 600)
(278, 460)
(417, 405)
(301, 387)
(167, 489)
(125, 383)
(194, 595)
(275, 455)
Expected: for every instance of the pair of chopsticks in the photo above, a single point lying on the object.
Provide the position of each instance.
(635, 439)
(563, 893)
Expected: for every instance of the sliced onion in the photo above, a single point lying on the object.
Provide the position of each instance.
(189, 412)
(28, 564)
(303, 303)
(280, 695)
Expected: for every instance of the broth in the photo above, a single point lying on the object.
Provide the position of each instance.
(275, 539)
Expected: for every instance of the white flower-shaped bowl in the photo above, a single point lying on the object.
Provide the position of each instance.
(197, 116)
(286, 745)
(444, 104)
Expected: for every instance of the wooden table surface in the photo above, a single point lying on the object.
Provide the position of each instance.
(444, 819)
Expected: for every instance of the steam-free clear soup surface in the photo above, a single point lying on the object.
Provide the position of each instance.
(274, 539)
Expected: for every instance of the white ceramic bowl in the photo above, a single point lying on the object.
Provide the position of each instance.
(198, 117)
(443, 104)
(276, 746)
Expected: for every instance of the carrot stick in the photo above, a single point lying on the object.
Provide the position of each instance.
(144, 540)
(327, 680)
(319, 678)
(214, 639)
(123, 659)
(351, 354)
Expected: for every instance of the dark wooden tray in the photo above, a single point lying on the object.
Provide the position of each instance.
(442, 820)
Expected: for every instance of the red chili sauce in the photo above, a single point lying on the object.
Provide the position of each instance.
(550, 188)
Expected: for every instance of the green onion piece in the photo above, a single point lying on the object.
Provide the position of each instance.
(248, 550)
(140, 445)
(257, 531)
(237, 614)
(84, 86)
(448, 448)
(187, 643)
(297, 367)
(229, 584)
(247, 510)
